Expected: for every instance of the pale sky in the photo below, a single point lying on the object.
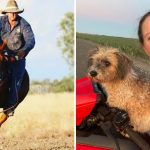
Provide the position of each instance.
(45, 60)
(110, 17)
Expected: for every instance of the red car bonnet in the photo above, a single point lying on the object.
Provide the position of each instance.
(85, 99)
(86, 147)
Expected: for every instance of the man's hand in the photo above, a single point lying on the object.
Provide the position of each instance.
(5, 41)
(3, 44)
(21, 54)
(1, 57)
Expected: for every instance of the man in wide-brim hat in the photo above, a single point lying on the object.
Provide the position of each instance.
(12, 7)
(18, 36)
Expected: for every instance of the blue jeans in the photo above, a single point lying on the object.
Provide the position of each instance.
(16, 72)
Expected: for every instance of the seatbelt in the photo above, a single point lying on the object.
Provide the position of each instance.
(106, 126)
(121, 122)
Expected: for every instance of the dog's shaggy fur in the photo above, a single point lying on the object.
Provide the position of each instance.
(127, 86)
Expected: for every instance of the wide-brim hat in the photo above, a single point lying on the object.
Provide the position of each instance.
(12, 7)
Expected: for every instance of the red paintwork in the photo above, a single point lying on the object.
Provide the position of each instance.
(87, 147)
(85, 99)
(85, 102)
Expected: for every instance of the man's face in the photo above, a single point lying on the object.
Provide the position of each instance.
(12, 16)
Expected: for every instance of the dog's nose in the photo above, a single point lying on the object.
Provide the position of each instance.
(93, 73)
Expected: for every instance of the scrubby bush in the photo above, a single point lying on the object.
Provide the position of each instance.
(48, 86)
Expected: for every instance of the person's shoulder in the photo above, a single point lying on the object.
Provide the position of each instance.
(3, 18)
(23, 21)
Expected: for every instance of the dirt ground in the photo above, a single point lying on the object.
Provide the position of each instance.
(41, 122)
(83, 49)
(51, 143)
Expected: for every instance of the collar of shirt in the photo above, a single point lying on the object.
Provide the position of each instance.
(8, 24)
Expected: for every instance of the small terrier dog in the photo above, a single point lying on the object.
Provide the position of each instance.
(127, 86)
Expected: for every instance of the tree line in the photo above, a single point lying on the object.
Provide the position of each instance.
(47, 86)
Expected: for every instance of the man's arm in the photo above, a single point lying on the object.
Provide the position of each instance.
(3, 43)
(28, 39)
(0, 30)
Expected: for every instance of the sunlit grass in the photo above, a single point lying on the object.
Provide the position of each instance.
(42, 116)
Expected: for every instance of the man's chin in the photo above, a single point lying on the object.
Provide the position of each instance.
(14, 19)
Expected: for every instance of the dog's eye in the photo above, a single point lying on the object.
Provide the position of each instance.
(106, 63)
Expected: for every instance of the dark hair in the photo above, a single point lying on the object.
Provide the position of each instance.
(140, 35)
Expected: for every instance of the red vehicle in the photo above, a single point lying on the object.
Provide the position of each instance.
(100, 127)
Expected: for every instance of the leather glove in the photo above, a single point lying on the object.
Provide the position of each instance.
(21, 54)
(1, 57)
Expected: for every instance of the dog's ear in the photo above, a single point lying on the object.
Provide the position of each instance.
(93, 51)
(124, 64)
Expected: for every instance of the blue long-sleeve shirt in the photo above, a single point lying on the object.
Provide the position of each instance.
(20, 38)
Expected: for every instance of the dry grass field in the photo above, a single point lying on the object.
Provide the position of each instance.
(41, 122)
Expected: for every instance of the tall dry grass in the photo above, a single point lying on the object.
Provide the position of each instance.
(48, 116)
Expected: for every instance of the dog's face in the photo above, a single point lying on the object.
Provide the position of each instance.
(107, 65)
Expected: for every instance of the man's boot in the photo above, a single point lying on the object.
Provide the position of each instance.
(3, 118)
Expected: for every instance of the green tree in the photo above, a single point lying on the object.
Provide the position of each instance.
(66, 40)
